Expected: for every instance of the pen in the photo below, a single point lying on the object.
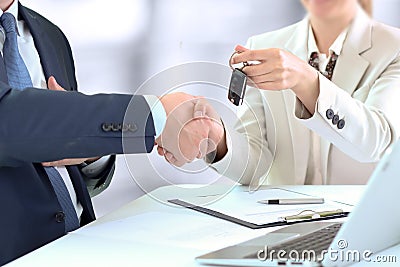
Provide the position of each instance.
(292, 201)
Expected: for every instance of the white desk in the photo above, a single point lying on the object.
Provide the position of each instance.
(147, 232)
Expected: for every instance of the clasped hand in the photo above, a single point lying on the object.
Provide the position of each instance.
(193, 129)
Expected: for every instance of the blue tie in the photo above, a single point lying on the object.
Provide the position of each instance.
(19, 78)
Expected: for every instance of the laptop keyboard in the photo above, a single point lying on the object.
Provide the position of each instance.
(316, 241)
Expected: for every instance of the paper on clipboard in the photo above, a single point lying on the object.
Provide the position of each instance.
(244, 206)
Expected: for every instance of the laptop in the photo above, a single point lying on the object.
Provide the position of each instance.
(372, 226)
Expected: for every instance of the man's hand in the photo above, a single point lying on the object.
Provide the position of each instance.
(187, 135)
(67, 162)
(53, 85)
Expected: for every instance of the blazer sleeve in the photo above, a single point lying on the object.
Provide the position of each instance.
(41, 125)
(250, 143)
(370, 124)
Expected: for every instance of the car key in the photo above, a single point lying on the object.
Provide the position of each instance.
(237, 85)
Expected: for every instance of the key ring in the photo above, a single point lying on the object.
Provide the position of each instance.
(245, 64)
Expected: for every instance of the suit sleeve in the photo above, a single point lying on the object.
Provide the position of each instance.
(42, 125)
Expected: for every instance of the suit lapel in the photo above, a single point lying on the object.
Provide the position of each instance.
(297, 45)
(49, 58)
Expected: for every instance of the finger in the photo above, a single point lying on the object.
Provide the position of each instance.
(272, 86)
(170, 160)
(160, 151)
(203, 148)
(177, 163)
(271, 77)
(255, 70)
(51, 164)
(250, 55)
(53, 85)
(169, 156)
(240, 48)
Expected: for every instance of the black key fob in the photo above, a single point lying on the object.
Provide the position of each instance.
(237, 87)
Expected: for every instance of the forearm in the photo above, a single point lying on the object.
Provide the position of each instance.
(33, 134)
(248, 148)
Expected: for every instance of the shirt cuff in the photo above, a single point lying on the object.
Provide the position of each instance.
(158, 113)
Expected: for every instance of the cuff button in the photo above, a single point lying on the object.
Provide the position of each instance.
(341, 124)
(330, 114)
(335, 119)
(106, 127)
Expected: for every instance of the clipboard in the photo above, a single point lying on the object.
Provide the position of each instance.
(296, 218)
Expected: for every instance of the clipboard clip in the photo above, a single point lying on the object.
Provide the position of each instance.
(311, 215)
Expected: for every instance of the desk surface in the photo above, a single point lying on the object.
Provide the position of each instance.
(149, 232)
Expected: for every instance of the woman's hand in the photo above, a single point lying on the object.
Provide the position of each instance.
(279, 70)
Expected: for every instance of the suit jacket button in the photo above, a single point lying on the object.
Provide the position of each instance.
(341, 124)
(132, 127)
(106, 127)
(125, 127)
(335, 119)
(330, 114)
(116, 127)
(60, 216)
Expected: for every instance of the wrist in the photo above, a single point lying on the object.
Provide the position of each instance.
(307, 90)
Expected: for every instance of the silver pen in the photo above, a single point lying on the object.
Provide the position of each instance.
(292, 201)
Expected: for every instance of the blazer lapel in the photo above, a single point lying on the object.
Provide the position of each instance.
(49, 58)
(297, 45)
(358, 41)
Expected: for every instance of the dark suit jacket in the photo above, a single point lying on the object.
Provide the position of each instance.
(39, 125)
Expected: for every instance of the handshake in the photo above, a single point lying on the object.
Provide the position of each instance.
(193, 129)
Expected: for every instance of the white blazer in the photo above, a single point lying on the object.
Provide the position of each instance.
(270, 143)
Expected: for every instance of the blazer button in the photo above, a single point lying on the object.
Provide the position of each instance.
(335, 119)
(341, 124)
(106, 127)
(330, 114)
(60, 216)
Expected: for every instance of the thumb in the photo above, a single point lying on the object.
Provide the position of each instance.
(53, 85)
(200, 109)
(204, 110)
